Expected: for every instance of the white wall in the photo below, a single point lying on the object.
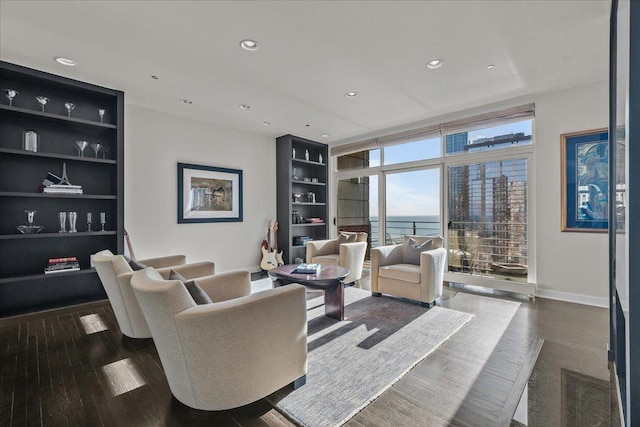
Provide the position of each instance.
(154, 143)
(571, 266)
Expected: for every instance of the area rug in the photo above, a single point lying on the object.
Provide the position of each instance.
(351, 362)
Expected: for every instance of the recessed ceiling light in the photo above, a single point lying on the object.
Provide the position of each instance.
(155, 77)
(266, 123)
(186, 101)
(250, 45)
(325, 135)
(351, 94)
(435, 63)
(244, 106)
(65, 61)
(490, 66)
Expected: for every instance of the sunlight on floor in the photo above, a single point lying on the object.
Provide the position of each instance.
(122, 377)
(93, 323)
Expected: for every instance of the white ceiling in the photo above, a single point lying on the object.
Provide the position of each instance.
(311, 53)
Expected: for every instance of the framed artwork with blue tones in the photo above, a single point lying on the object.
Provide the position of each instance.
(209, 194)
(585, 181)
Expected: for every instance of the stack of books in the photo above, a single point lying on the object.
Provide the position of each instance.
(314, 220)
(307, 269)
(59, 265)
(62, 189)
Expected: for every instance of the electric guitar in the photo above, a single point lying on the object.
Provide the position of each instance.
(270, 256)
(129, 245)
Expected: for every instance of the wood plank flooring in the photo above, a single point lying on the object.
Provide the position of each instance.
(63, 367)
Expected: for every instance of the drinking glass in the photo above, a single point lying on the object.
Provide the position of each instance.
(96, 148)
(104, 151)
(62, 217)
(101, 112)
(81, 146)
(10, 93)
(69, 106)
(73, 216)
(103, 219)
(43, 101)
(89, 221)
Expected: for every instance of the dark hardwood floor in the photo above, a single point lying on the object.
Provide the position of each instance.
(73, 367)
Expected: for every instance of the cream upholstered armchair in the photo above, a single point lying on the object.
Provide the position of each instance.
(347, 250)
(115, 274)
(233, 351)
(413, 269)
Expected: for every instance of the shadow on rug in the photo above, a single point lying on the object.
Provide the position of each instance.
(351, 362)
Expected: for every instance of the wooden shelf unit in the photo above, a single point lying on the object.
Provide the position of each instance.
(23, 285)
(287, 186)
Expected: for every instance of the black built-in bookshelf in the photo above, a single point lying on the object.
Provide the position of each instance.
(287, 186)
(23, 285)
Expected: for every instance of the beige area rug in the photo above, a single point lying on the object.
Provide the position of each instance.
(351, 362)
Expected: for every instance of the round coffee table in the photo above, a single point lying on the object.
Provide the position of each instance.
(329, 278)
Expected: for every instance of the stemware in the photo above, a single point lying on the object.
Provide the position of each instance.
(81, 146)
(89, 221)
(62, 217)
(101, 112)
(104, 151)
(10, 93)
(31, 228)
(73, 216)
(103, 219)
(96, 148)
(43, 101)
(69, 106)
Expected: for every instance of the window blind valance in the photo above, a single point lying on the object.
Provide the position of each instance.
(432, 131)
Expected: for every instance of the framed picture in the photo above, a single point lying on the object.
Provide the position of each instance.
(585, 181)
(209, 194)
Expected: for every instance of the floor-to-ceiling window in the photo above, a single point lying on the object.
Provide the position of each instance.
(466, 180)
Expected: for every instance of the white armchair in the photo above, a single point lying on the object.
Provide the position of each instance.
(413, 269)
(115, 274)
(229, 353)
(348, 250)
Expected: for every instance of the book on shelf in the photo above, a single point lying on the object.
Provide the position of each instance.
(62, 189)
(307, 268)
(65, 259)
(61, 270)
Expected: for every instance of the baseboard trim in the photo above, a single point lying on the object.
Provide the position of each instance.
(574, 298)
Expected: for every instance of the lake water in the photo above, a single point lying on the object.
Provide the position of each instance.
(398, 226)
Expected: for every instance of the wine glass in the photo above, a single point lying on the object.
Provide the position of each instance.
(96, 148)
(101, 112)
(104, 151)
(81, 146)
(62, 216)
(103, 219)
(69, 106)
(89, 221)
(43, 101)
(10, 93)
(73, 216)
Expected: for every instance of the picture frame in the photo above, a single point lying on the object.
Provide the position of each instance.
(585, 181)
(209, 194)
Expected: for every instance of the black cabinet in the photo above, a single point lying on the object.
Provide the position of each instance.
(23, 285)
(302, 192)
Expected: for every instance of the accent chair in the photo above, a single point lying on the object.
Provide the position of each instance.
(347, 250)
(232, 351)
(115, 274)
(413, 269)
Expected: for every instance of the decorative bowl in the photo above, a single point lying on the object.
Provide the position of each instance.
(30, 229)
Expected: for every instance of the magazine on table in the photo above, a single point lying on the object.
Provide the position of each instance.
(307, 268)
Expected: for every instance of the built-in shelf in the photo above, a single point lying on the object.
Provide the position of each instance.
(310, 224)
(309, 162)
(308, 204)
(56, 156)
(58, 196)
(56, 235)
(41, 276)
(56, 117)
(307, 182)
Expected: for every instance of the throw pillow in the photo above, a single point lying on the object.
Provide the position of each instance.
(347, 237)
(135, 265)
(412, 249)
(199, 296)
